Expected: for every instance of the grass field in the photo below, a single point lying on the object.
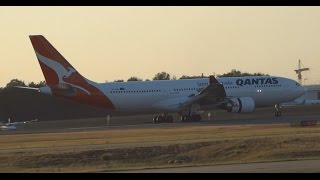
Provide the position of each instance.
(188, 145)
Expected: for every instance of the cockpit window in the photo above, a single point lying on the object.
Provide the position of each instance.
(298, 84)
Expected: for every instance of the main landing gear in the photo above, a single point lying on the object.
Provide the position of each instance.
(277, 110)
(191, 118)
(163, 119)
(184, 118)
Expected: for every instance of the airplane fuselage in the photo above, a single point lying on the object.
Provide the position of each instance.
(140, 96)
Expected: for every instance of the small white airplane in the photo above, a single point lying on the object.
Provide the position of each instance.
(188, 97)
(12, 125)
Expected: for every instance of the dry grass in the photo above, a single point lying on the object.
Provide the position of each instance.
(155, 147)
(145, 135)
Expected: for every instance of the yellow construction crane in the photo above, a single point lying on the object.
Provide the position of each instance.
(299, 70)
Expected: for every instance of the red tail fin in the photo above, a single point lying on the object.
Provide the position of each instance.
(51, 61)
(63, 79)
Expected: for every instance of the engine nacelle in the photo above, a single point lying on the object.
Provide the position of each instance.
(240, 105)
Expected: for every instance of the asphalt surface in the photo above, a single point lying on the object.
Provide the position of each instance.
(259, 116)
(302, 166)
(58, 126)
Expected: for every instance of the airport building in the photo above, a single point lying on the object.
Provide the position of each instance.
(312, 96)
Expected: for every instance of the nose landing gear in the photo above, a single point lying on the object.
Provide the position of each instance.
(277, 112)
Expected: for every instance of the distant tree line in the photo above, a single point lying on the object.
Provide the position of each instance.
(17, 82)
(235, 73)
(166, 76)
(159, 76)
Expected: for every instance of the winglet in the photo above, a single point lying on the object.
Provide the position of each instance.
(213, 80)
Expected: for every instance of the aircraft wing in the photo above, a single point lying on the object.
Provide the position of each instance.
(34, 120)
(22, 122)
(15, 123)
(214, 93)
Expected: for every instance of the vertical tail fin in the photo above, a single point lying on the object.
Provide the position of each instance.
(63, 79)
(54, 66)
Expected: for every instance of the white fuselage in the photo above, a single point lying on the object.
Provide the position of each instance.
(141, 96)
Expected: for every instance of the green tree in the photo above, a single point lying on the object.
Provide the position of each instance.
(190, 77)
(32, 84)
(162, 76)
(134, 78)
(40, 84)
(15, 82)
(235, 73)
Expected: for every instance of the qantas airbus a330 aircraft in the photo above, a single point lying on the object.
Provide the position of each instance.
(188, 97)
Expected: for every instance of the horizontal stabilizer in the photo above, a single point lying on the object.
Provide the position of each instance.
(24, 87)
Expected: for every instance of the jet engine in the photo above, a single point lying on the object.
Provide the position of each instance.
(240, 105)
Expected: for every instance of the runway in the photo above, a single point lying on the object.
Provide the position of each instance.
(101, 124)
(302, 166)
(217, 118)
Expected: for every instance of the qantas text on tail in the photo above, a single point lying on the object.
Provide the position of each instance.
(188, 97)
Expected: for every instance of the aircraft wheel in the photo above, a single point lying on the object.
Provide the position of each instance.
(183, 118)
(277, 113)
(155, 120)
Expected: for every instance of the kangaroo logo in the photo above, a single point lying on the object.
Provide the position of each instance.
(69, 72)
(61, 72)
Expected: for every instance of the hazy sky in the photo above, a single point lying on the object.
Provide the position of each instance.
(109, 43)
